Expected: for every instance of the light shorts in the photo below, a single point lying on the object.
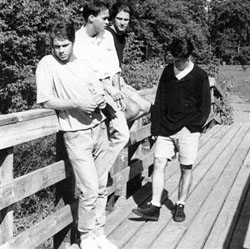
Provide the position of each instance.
(184, 142)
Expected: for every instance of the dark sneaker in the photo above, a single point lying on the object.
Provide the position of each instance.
(179, 214)
(150, 213)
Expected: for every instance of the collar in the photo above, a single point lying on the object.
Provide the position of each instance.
(181, 74)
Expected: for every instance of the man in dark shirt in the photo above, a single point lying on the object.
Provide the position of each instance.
(120, 15)
(181, 108)
(136, 106)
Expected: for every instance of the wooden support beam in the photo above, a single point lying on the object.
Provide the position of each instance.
(26, 126)
(6, 175)
(26, 185)
(41, 231)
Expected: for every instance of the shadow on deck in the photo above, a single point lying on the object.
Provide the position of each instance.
(217, 210)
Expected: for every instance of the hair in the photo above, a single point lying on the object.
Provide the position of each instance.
(181, 48)
(118, 7)
(63, 30)
(94, 7)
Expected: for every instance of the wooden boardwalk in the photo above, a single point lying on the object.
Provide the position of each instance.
(217, 210)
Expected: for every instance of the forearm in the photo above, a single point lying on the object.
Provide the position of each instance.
(60, 104)
(116, 81)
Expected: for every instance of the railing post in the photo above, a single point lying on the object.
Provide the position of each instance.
(121, 163)
(6, 175)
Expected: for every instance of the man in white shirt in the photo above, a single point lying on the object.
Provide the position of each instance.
(96, 45)
(70, 86)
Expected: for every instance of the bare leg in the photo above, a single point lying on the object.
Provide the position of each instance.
(158, 180)
(143, 105)
(185, 182)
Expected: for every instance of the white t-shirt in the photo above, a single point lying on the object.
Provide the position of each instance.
(73, 80)
(99, 51)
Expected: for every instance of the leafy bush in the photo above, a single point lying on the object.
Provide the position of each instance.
(27, 158)
(24, 40)
(142, 75)
(224, 107)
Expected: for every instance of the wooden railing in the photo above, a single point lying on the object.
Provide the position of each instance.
(217, 95)
(135, 160)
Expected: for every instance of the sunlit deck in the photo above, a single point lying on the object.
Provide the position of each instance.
(217, 210)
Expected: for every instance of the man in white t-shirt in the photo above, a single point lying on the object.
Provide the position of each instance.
(70, 86)
(96, 45)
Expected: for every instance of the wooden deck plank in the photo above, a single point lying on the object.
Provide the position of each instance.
(223, 228)
(130, 227)
(171, 185)
(124, 207)
(241, 235)
(112, 221)
(205, 175)
(198, 231)
(166, 216)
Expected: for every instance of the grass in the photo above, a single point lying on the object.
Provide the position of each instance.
(240, 79)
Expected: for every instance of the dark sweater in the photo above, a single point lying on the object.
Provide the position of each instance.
(120, 41)
(181, 103)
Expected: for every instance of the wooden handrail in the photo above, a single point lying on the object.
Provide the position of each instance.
(17, 128)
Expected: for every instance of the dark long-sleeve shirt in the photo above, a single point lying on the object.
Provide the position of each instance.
(120, 42)
(181, 103)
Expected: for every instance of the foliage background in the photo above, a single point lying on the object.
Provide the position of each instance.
(219, 29)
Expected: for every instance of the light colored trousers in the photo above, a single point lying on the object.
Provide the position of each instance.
(118, 134)
(118, 138)
(86, 150)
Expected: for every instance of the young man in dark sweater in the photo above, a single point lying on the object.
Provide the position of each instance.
(181, 108)
(136, 105)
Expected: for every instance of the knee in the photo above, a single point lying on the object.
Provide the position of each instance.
(146, 108)
(132, 110)
(103, 192)
(160, 163)
(89, 194)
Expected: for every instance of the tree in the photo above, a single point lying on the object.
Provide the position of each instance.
(24, 26)
(230, 32)
(24, 40)
(157, 22)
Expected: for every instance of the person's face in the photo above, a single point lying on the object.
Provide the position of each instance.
(121, 21)
(101, 21)
(62, 49)
(181, 63)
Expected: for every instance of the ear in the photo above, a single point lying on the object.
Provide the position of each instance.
(52, 50)
(91, 18)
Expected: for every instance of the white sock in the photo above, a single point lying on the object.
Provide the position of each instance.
(156, 203)
(180, 202)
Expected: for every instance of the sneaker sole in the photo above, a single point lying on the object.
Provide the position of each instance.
(145, 216)
(179, 220)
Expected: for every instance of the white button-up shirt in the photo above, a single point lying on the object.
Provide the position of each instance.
(99, 51)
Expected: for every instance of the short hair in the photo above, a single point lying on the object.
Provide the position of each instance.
(181, 48)
(63, 29)
(94, 7)
(118, 7)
